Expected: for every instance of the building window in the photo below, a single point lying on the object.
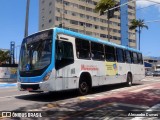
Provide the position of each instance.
(96, 26)
(74, 22)
(66, 3)
(43, 18)
(103, 35)
(88, 9)
(81, 7)
(50, 20)
(58, 19)
(88, 25)
(81, 23)
(42, 25)
(50, 3)
(82, 15)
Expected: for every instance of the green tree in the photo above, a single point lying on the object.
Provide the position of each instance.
(140, 25)
(104, 5)
(4, 56)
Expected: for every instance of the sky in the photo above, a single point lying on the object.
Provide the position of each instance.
(12, 22)
(150, 39)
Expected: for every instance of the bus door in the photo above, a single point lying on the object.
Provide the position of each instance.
(63, 59)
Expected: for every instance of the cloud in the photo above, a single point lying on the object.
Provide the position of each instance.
(145, 3)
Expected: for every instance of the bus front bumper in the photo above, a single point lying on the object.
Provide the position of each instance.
(41, 86)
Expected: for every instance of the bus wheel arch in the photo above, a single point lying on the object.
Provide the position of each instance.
(129, 79)
(85, 83)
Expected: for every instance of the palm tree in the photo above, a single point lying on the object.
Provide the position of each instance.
(140, 25)
(104, 5)
(4, 56)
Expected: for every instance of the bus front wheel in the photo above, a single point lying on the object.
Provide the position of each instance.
(84, 86)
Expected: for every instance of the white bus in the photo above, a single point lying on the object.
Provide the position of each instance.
(59, 59)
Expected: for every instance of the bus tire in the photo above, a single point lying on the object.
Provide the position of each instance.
(129, 80)
(84, 84)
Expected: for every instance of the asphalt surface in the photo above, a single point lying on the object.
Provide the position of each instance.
(107, 102)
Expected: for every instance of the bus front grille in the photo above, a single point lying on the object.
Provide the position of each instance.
(30, 86)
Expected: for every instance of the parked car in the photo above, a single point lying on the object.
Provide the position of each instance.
(156, 73)
(148, 73)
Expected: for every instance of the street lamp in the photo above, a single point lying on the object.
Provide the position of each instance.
(27, 19)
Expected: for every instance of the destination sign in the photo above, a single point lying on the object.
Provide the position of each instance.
(39, 36)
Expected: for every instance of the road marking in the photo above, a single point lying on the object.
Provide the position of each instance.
(139, 90)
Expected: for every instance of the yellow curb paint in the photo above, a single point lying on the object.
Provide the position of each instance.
(82, 98)
(50, 105)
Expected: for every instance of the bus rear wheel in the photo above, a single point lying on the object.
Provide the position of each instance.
(129, 80)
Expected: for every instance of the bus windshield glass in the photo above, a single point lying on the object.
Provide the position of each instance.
(35, 55)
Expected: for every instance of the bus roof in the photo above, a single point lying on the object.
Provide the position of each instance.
(86, 37)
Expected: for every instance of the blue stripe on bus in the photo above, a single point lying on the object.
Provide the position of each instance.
(82, 36)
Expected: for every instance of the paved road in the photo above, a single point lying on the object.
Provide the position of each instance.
(103, 103)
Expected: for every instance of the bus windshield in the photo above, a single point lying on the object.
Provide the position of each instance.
(35, 55)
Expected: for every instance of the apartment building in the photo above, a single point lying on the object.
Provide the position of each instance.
(79, 16)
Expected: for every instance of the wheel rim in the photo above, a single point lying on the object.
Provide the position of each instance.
(84, 88)
(129, 81)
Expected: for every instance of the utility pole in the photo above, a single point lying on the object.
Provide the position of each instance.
(27, 19)
(108, 20)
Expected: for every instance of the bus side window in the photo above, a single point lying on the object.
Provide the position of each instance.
(128, 56)
(135, 58)
(97, 51)
(64, 54)
(120, 55)
(140, 59)
(82, 49)
(110, 53)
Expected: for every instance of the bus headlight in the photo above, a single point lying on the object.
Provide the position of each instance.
(47, 76)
